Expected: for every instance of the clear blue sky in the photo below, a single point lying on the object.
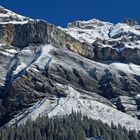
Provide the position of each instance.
(60, 12)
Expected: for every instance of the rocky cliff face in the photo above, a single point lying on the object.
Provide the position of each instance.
(90, 66)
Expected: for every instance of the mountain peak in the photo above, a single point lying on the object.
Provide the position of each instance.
(130, 22)
(7, 16)
(88, 24)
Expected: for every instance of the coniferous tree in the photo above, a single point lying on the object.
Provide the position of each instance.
(69, 127)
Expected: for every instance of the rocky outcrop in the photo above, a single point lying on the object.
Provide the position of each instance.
(22, 35)
(9, 16)
(130, 22)
(126, 55)
(41, 32)
(59, 38)
(128, 105)
(86, 24)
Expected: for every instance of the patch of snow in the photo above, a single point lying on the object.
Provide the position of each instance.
(11, 51)
(6, 53)
(14, 22)
(20, 67)
(126, 68)
(44, 55)
(137, 97)
(28, 58)
(2, 44)
(1, 84)
(121, 27)
(3, 15)
(45, 58)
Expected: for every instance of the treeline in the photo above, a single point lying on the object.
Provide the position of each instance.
(70, 127)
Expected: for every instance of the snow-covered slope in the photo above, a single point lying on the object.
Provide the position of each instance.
(76, 99)
(90, 66)
(89, 30)
(93, 30)
(91, 105)
(7, 17)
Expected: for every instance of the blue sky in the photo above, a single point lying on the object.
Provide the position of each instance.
(60, 12)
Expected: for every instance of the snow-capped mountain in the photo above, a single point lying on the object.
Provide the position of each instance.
(90, 66)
